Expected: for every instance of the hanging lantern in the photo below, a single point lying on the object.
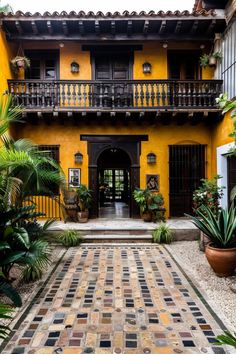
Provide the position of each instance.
(74, 67)
(78, 157)
(151, 158)
(147, 68)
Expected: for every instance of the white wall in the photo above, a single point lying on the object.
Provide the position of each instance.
(221, 153)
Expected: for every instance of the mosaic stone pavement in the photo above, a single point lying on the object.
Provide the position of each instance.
(116, 299)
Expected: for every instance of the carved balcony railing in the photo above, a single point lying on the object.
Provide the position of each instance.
(115, 95)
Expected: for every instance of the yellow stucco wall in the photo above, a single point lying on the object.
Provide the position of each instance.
(160, 136)
(5, 55)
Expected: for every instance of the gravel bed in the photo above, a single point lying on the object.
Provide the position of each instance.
(221, 292)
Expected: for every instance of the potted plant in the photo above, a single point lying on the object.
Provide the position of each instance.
(70, 204)
(208, 194)
(149, 203)
(20, 62)
(84, 201)
(210, 59)
(162, 234)
(221, 230)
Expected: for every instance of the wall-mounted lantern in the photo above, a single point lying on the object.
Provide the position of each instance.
(147, 68)
(74, 67)
(78, 157)
(151, 158)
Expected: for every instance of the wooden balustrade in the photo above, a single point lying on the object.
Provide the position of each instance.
(115, 94)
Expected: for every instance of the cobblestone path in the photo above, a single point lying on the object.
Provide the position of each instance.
(117, 299)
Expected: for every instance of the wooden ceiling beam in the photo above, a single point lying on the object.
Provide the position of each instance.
(211, 27)
(113, 27)
(97, 27)
(34, 27)
(19, 27)
(194, 27)
(49, 27)
(178, 26)
(129, 27)
(81, 28)
(162, 28)
(146, 27)
(65, 28)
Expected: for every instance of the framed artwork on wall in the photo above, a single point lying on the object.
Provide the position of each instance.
(153, 182)
(74, 177)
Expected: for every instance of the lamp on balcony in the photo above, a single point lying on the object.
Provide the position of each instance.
(151, 158)
(74, 67)
(78, 157)
(147, 68)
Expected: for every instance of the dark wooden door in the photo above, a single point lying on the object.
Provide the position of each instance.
(113, 67)
(186, 169)
(231, 166)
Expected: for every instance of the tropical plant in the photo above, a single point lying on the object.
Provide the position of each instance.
(149, 202)
(84, 197)
(229, 105)
(162, 234)
(5, 8)
(208, 194)
(205, 59)
(220, 229)
(70, 238)
(5, 314)
(36, 259)
(227, 338)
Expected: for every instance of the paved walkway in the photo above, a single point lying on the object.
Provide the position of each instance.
(117, 299)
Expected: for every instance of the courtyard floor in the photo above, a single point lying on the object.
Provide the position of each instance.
(123, 298)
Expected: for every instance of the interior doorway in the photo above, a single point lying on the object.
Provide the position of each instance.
(114, 184)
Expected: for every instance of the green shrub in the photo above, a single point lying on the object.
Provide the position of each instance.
(162, 234)
(70, 238)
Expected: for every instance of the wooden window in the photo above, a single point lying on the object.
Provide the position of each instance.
(184, 65)
(43, 65)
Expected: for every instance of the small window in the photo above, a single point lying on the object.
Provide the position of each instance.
(184, 65)
(43, 65)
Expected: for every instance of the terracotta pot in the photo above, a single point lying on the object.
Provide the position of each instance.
(83, 216)
(20, 63)
(147, 216)
(212, 61)
(222, 260)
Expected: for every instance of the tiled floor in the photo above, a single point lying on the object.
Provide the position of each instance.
(116, 299)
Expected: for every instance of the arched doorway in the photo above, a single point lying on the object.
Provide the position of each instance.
(114, 183)
(131, 145)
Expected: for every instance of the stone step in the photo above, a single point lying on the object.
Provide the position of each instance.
(114, 238)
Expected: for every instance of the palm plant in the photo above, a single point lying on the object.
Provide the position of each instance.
(70, 238)
(227, 338)
(220, 229)
(85, 197)
(5, 8)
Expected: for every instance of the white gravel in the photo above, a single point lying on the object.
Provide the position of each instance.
(221, 292)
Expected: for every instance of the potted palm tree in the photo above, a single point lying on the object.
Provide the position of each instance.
(84, 201)
(221, 231)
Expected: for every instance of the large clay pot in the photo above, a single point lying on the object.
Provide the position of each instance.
(83, 216)
(147, 216)
(222, 260)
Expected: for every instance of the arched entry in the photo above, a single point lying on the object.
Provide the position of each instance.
(114, 183)
(97, 144)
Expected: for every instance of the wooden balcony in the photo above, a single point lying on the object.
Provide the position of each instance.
(116, 95)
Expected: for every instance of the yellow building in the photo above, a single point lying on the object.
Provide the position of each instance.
(120, 99)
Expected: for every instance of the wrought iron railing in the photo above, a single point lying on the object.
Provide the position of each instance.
(115, 94)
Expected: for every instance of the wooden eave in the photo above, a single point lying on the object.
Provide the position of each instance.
(180, 26)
